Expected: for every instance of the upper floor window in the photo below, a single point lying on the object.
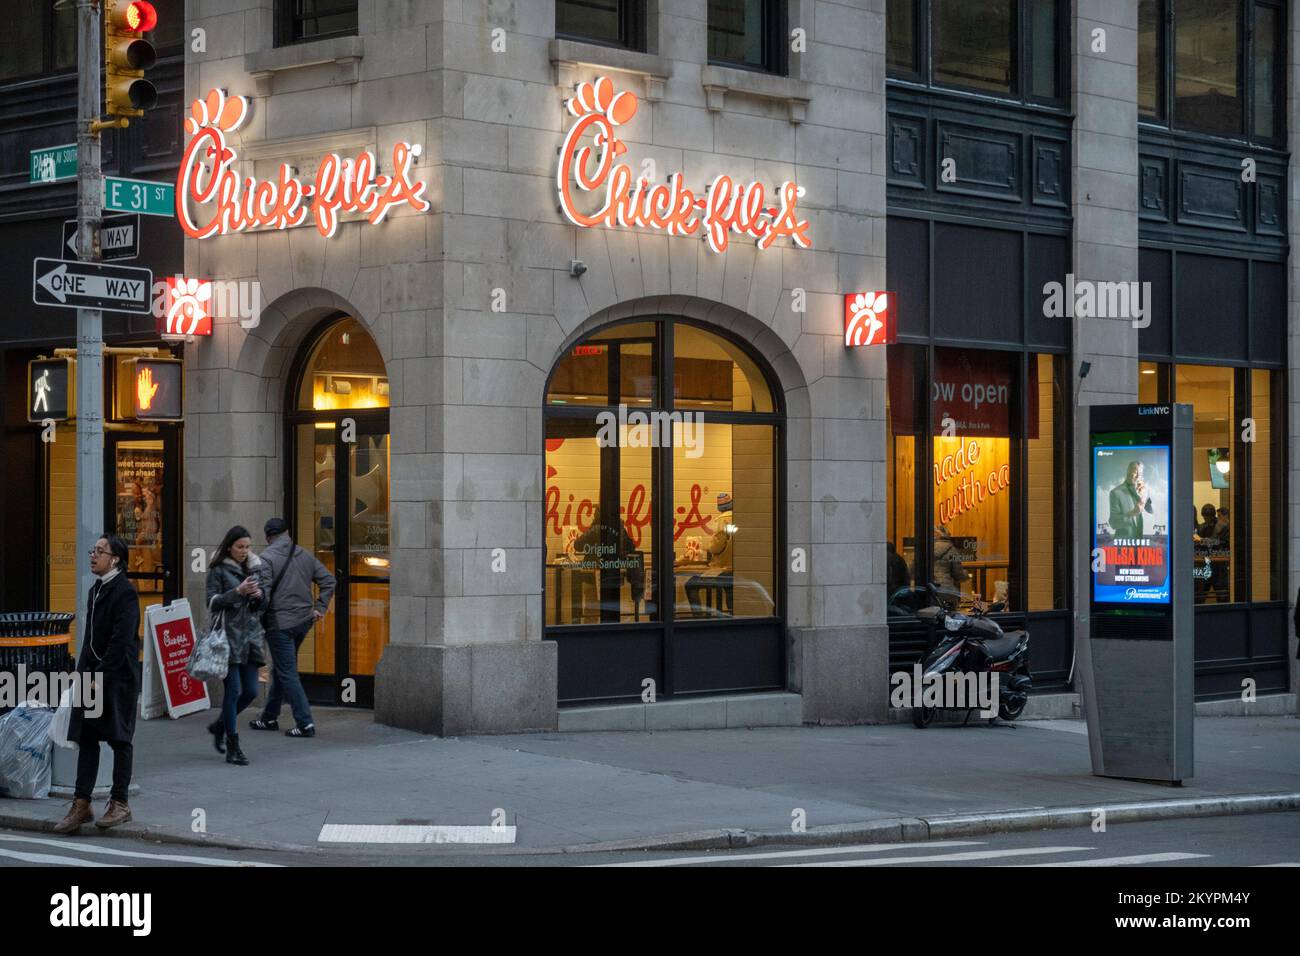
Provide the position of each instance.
(748, 33)
(1001, 47)
(41, 36)
(611, 22)
(1212, 66)
(299, 21)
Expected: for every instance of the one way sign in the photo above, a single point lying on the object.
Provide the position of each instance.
(90, 285)
(119, 237)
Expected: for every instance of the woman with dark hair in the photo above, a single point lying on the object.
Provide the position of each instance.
(237, 587)
(110, 651)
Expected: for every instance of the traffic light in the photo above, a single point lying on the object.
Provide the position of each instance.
(127, 54)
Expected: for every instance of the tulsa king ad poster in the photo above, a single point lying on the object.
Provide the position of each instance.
(1131, 515)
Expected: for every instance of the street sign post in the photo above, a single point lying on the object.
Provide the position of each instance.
(119, 237)
(139, 195)
(89, 285)
(54, 164)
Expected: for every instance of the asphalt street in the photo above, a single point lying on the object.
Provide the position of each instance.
(1268, 839)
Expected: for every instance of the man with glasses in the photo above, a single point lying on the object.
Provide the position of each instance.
(110, 651)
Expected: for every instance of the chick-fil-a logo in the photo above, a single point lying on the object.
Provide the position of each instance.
(726, 206)
(225, 203)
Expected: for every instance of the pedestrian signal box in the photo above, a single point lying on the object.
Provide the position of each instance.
(148, 390)
(51, 389)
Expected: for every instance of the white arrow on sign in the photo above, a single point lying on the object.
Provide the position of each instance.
(58, 284)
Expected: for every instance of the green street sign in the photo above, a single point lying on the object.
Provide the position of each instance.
(54, 164)
(139, 195)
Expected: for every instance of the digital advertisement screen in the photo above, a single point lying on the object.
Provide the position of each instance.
(1130, 507)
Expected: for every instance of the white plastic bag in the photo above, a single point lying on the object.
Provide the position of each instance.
(210, 658)
(25, 751)
(62, 718)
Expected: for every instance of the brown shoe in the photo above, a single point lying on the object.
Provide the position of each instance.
(115, 814)
(78, 814)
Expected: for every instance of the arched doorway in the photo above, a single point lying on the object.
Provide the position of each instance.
(338, 503)
(663, 515)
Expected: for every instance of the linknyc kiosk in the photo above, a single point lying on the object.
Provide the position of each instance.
(1136, 652)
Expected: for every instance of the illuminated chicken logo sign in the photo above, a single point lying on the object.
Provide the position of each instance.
(868, 319)
(726, 207)
(224, 203)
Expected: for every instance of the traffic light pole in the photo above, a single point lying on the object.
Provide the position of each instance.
(90, 330)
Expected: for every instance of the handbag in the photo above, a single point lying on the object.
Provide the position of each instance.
(210, 659)
(275, 583)
(58, 732)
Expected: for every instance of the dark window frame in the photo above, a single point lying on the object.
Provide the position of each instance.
(776, 59)
(288, 22)
(669, 623)
(1168, 66)
(47, 49)
(923, 27)
(1242, 455)
(631, 28)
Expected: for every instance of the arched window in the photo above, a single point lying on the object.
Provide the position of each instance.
(337, 426)
(662, 513)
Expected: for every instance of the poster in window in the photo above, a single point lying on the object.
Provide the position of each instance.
(140, 505)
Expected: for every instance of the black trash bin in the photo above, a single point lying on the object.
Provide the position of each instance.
(35, 641)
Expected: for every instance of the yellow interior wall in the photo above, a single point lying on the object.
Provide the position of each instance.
(61, 511)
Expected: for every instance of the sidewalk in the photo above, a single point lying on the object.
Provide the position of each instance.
(562, 790)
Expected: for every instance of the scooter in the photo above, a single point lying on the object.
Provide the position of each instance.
(974, 643)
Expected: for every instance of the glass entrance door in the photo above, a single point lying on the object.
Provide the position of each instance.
(337, 476)
(143, 510)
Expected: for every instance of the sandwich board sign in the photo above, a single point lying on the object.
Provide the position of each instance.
(169, 640)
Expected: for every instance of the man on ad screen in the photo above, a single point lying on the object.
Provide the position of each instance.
(1128, 501)
(1133, 532)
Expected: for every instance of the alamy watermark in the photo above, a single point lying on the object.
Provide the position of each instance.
(1098, 300)
(954, 690)
(22, 685)
(639, 429)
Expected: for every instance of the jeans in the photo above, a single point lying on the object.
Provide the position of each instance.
(88, 764)
(241, 689)
(285, 682)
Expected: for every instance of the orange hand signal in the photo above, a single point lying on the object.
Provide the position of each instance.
(145, 389)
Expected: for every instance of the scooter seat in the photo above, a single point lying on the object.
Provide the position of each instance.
(1000, 648)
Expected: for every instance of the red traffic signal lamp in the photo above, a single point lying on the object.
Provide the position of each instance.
(127, 54)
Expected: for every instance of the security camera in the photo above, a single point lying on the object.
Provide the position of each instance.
(577, 267)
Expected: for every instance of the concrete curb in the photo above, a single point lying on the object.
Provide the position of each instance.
(884, 830)
(152, 834)
(920, 829)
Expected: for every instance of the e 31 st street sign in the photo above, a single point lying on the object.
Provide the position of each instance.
(139, 195)
(91, 285)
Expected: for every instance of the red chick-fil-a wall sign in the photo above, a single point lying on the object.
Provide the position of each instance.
(224, 203)
(726, 207)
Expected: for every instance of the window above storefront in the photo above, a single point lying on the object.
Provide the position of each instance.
(301, 21)
(1003, 48)
(41, 36)
(619, 23)
(1213, 67)
(749, 34)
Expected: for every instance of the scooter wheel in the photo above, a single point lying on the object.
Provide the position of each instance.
(921, 716)
(1011, 711)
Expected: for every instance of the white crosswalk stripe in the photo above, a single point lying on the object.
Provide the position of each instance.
(950, 857)
(721, 857)
(51, 860)
(96, 849)
(1138, 860)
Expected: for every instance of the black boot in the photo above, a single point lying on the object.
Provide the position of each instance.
(218, 731)
(233, 753)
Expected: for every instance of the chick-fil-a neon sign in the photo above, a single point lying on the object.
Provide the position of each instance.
(726, 207)
(224, 203)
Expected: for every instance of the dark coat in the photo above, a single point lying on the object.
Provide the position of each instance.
(111, 648)
(241, 616)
